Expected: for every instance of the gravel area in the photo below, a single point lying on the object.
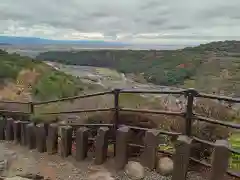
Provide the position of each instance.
(21, 161)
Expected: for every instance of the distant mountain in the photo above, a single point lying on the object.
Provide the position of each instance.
(14, 40)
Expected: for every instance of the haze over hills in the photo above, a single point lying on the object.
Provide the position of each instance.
(31, 46)
(14, 40)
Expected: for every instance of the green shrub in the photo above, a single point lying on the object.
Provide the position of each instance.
(235, 158)
(54, 84)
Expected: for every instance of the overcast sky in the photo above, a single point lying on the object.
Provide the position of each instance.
(143, 21)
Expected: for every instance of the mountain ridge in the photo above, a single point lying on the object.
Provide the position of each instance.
(17, 40)
(212, 67)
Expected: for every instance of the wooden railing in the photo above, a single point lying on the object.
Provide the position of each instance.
(17, 130)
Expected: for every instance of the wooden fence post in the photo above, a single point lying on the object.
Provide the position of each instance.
(2, 128)
(23, 133)
(191, 93)
(52, 139)
(101, 145)
(66, 141)
(220, 159)
(81, 143)
(31, 135)
(41, 138)
(17, 131)
(121, 156)
(116, 94)
(149, 156)
(9, 129)
(181, 157)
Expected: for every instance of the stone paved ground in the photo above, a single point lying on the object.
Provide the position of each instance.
(21, 161)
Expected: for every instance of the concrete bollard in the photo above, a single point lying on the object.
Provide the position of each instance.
(9, 129)
(81, 143)
(23, 133)
(149, 156)
(52, 139)
(181, 157)
(31, 135)
(101, 145)
(17, 131)
(66, 141)
(2, 128)
(121, 158)
(220, 159)
(41, 138)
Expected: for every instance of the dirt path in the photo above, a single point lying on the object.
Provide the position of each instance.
(22, 161)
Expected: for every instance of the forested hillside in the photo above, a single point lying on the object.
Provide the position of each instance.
(216, 64)
(23, 78)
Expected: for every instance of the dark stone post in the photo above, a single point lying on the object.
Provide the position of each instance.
(81, 143)
(220, 159)
(66, 141)
(9, 129)
(52, 139)
(101, 145)
(31, 136)
(17, 131)
(149, 156)
(46, 125)
(122, 147)
(181, 157)
(23, 133)
(41, 138)
(2, 128)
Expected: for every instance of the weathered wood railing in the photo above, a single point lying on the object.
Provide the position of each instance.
(26, 133)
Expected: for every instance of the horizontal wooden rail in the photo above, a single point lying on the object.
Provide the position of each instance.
(160, 131)
(14, 112)
(152, 112)
(212, 144)
(73, 98)
(178, 92)
(80, 111)
(15, 102)
(88, 125)
(214, 121)
(217, 97)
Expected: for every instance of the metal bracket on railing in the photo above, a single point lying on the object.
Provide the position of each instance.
(191, 91)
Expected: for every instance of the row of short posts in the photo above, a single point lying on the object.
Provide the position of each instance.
(181, 157)
(45, 139)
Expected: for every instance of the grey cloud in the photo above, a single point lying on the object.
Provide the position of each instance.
(179, 19)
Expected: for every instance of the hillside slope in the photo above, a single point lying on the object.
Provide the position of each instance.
(22, 78)
(210, 65)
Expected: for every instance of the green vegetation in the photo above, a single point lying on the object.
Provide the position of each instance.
(46, 83)
(216, 63)
(11, 65)
(235, 160)
(163, 68)
(56, 84)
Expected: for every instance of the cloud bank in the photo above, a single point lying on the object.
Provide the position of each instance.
(145, 21)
